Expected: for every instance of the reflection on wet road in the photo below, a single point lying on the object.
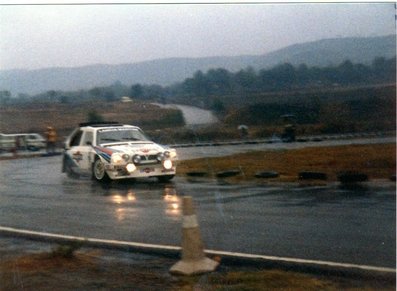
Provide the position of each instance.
(320, 223)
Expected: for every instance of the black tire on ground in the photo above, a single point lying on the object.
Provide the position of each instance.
(196, 174)
(228, 173)
(165, 178)
(306, 175)
(99, 172)
(302, 140)
(266, 174)
(352, 177)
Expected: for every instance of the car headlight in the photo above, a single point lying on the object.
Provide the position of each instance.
(131, 168)
(173, 154)
(117, 159)
(164, 155)
(167, 164)
(136, 159)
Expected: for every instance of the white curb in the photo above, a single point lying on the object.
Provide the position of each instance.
(175, 250)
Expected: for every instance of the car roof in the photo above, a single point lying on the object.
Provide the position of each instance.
(98, 125)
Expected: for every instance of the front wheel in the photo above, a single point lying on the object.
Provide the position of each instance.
(99, 172)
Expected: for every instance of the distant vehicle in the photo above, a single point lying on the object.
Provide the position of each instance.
(22, 141)
(112, 151)
(125, 99)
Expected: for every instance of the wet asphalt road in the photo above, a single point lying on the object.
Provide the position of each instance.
(320, 223)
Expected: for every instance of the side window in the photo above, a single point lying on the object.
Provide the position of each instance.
(88, 138)
(75, 141)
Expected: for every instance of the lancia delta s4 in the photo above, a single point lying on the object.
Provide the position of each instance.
(112, 151)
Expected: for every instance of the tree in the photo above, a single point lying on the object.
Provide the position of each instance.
(245, 79)
(219, 81)
(384, 70)
(218, 106)
(96, 92)
(52, 94)
(109, 95)
(283, 75)
(199, 84)
(136, 91)
(5, 97)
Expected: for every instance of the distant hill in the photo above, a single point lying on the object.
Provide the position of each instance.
(168, 71)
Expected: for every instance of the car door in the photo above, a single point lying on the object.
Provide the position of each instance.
(86, 150)
(81, 150)
(77, 153)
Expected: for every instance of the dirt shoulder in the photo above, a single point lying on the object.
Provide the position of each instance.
(26, 265)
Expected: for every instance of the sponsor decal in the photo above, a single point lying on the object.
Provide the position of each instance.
(77, 156)
(104, 153)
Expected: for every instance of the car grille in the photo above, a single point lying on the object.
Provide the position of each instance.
(149, 159)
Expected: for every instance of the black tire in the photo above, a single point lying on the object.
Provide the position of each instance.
(197, 174)
(307, 175)
(99, 172)
(352, 177)
(266, 174)
(165, 178)
(228, 173)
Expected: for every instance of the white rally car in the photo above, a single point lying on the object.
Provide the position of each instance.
(111, 151)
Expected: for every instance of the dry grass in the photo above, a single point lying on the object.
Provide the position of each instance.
(88, 271)
(65, 117)
(377, 161)
(84, 271)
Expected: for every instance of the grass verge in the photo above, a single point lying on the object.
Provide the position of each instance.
(93, 270)
(378, 161)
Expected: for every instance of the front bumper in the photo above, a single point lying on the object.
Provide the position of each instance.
(142, 171)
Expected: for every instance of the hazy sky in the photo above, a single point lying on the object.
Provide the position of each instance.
(40, 36)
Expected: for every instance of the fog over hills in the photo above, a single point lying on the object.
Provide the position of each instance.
(168, 71)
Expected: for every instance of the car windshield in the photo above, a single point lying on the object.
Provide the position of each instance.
(112, 135)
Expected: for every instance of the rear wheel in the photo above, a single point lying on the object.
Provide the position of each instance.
(99, 172)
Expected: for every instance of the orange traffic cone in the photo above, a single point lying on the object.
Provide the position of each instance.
(193, 260)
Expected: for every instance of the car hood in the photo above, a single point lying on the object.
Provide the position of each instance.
(141, 148)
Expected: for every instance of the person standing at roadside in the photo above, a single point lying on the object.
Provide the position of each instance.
(51, 135)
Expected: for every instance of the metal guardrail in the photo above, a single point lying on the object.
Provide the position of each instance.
(307, 138)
